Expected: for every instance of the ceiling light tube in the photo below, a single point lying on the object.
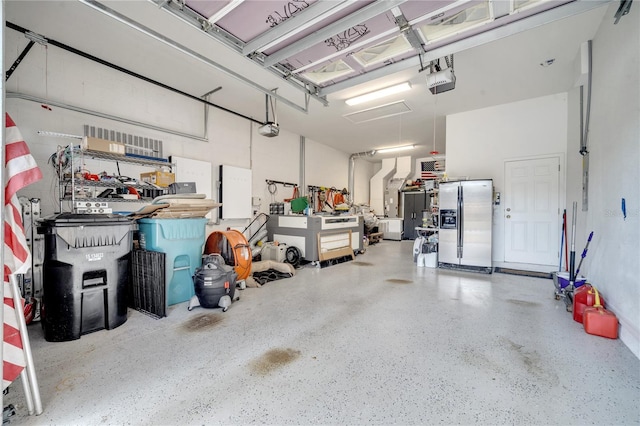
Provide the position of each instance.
(392, 90)
(394, 149)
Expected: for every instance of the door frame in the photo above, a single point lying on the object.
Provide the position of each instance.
(562, 192)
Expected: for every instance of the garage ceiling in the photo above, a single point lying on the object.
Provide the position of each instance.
(318, 53)
(322, 43)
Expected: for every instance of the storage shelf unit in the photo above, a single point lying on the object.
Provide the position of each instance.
(75, 183)
(107, 184)
(434, 204)
(113, 200)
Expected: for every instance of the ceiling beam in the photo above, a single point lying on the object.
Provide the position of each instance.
(403, 26)
(393, 32)
(297, 23)
(195, 20)
(372, 10)
(542, 18)
(189, 52)
(441, 11)
(224, 11)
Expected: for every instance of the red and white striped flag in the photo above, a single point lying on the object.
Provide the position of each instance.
(20, 170)
(427, 170)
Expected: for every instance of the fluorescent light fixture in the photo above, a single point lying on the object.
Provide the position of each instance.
(394, 149)
(392, 90)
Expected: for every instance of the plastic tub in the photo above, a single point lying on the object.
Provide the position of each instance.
(563, 280)
(182, 240)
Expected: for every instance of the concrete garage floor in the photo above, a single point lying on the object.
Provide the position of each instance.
(377, 340)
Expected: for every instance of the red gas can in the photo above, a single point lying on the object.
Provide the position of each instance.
(584, 296)
(599, 321)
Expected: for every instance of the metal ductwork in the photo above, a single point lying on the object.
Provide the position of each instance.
(352, 164)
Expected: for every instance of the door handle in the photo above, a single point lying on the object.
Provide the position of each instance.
(508, 209)
(508, 216)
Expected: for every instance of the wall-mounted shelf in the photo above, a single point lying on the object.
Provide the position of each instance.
(130, 159)
(107, 184)
(109, 200)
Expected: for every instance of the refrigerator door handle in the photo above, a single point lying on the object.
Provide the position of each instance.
(461, 221)
(459, 225)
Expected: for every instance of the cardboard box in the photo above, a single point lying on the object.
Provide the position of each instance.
(102, 145)
(163, 179)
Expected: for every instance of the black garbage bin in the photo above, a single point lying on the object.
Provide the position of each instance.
(85, 273)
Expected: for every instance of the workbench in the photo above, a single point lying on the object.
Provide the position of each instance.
(307, 233)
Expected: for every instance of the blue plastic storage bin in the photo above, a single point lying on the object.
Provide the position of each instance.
(182, 240)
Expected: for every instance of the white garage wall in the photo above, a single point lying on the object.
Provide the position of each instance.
(326, 166)
(274, 159)
(479, 142)
(613, 260)
(63, 77)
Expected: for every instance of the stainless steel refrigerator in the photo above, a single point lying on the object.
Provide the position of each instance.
(466, 213)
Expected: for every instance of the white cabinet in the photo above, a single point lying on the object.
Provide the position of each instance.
(392, 228)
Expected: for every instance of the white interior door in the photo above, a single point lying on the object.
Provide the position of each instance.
(531, 211)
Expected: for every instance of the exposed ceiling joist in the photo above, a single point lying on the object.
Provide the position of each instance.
(312, 15)
(224, 11)
(372, 50)
(412, 37)
(362, 15)
(355, 46)
(184, 49)
(525, 24)
(195, 20)
(327, 46)
(500, 8)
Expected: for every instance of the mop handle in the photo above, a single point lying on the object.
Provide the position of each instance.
(584, 252)
(566, 241)
(561, 247)
(572, 253)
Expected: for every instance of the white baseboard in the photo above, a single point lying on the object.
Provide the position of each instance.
(628, 331)
(525, 266)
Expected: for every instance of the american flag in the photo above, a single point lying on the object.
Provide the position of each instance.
(20, 170)
(427, 170)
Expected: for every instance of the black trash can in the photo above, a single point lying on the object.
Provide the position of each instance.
(85, 273)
